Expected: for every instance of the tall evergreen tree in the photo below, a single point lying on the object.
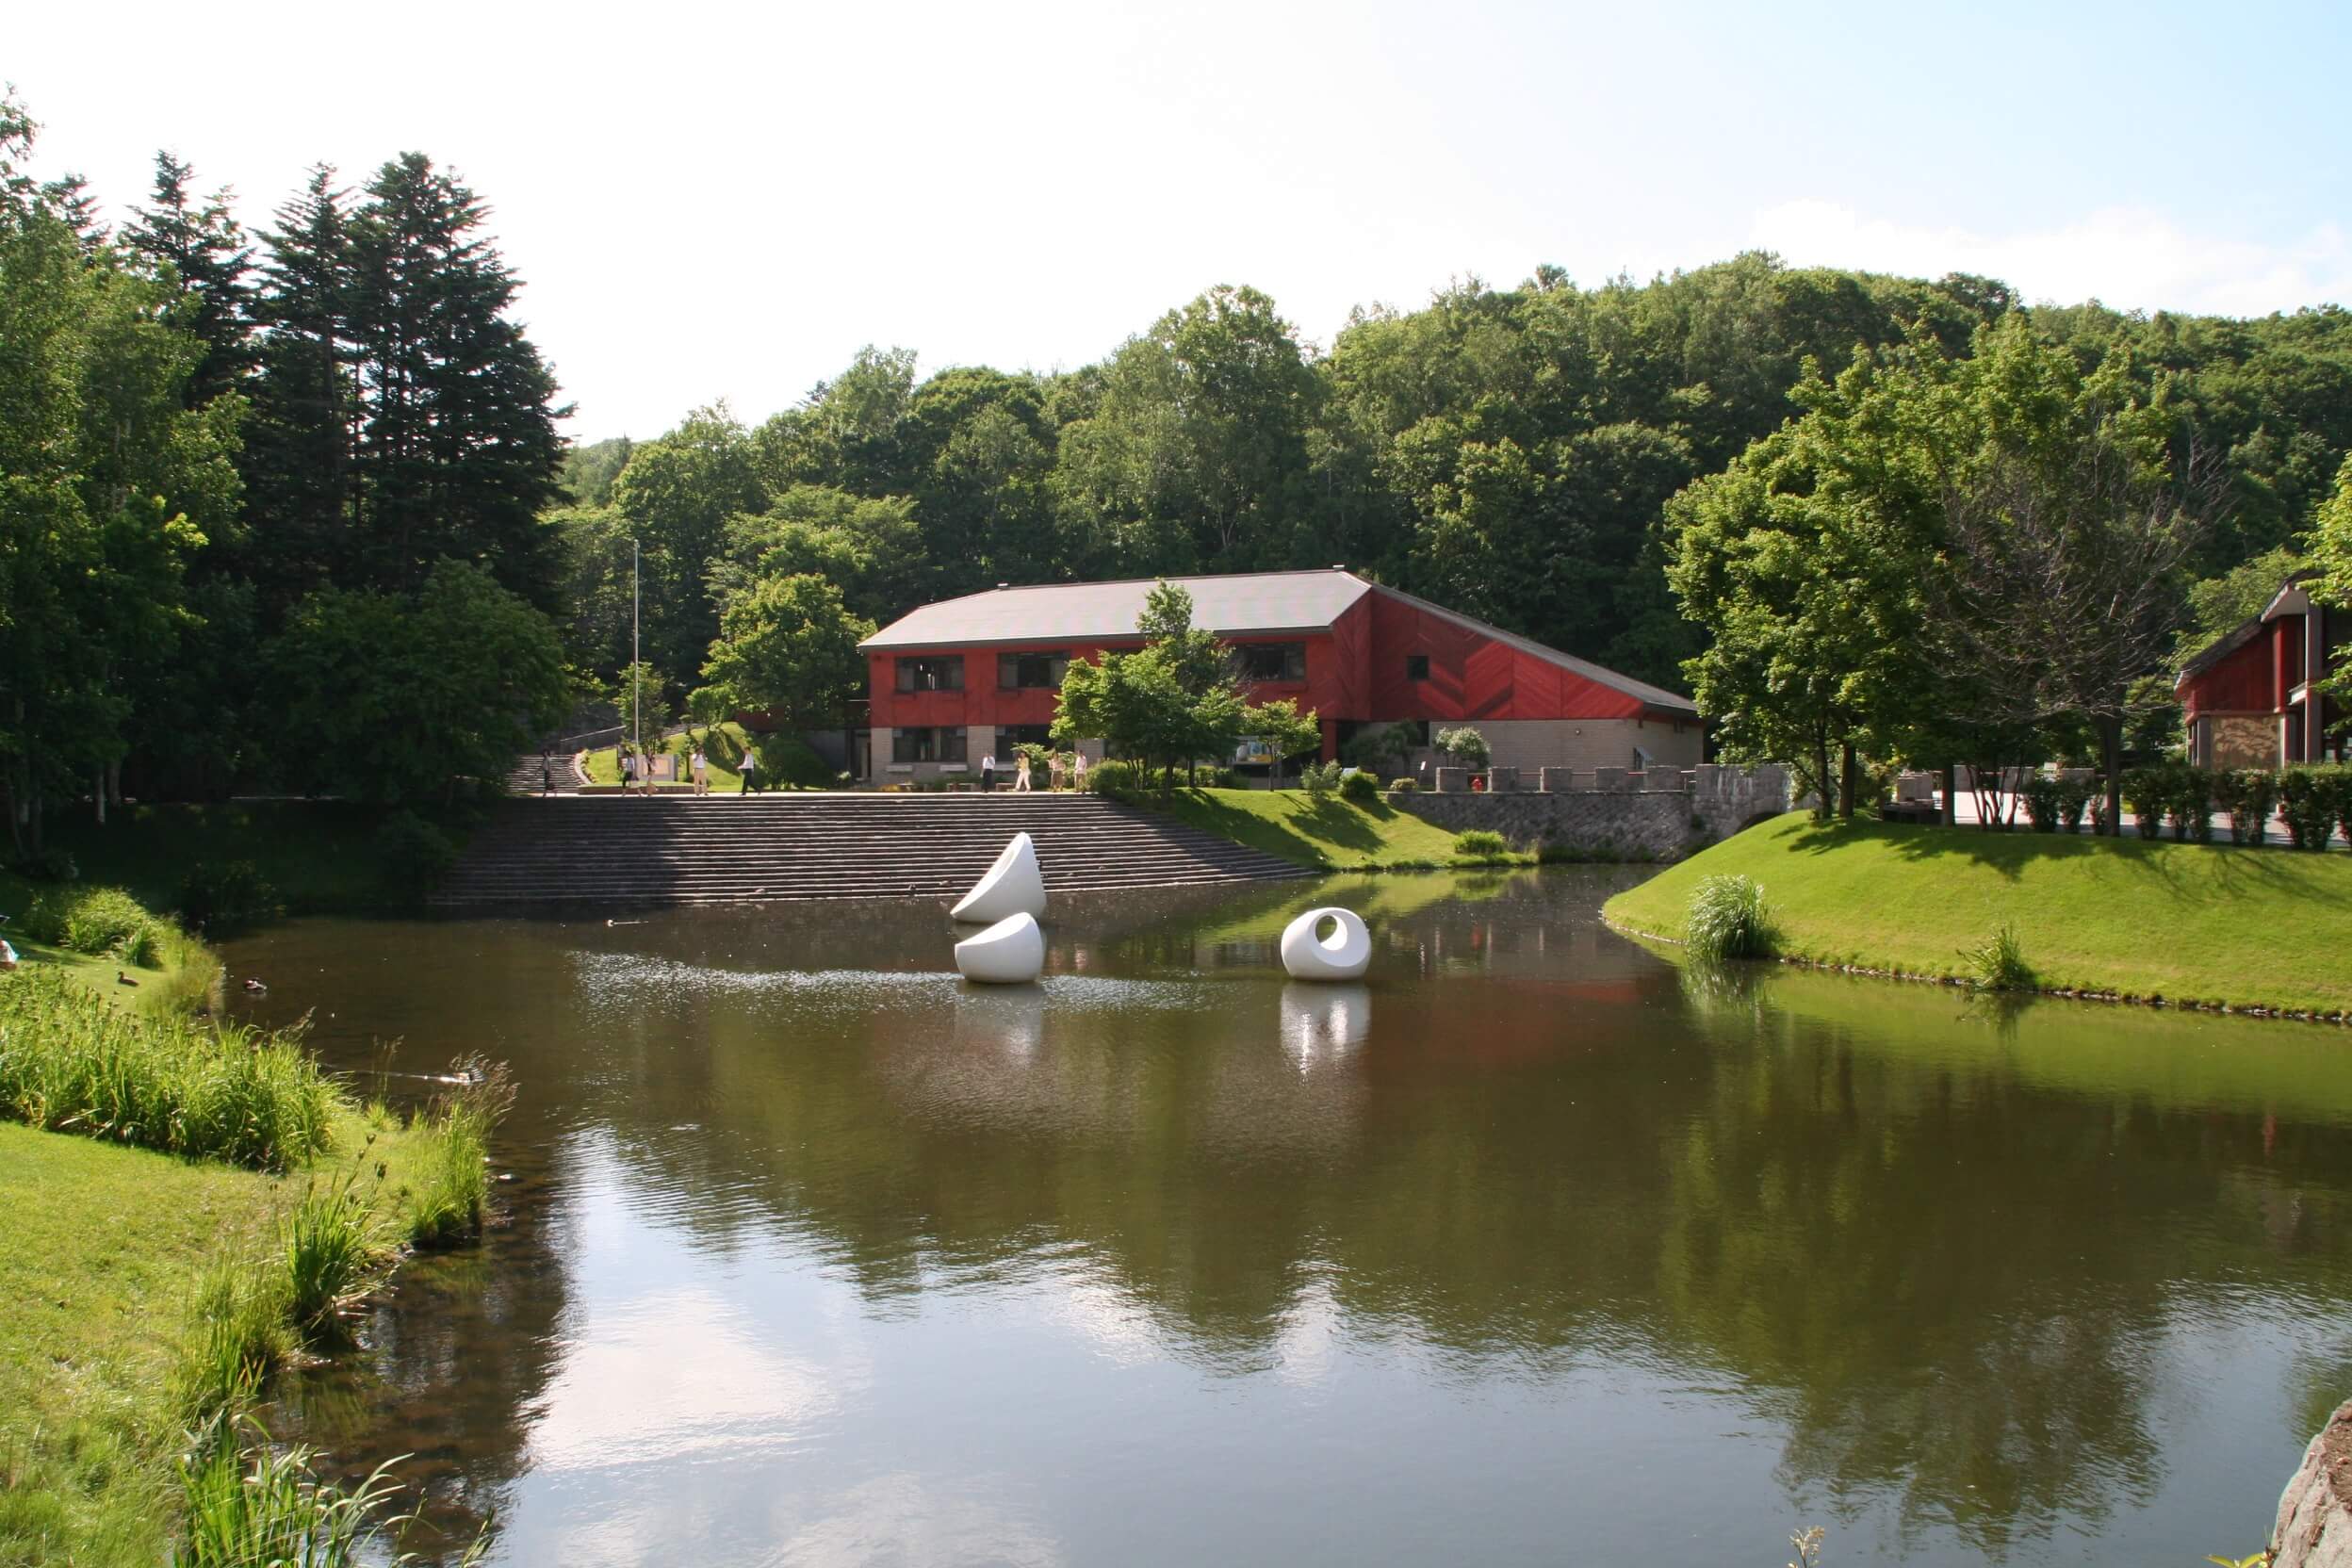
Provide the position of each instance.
(202, 255)
(300, 474)
(458, 449)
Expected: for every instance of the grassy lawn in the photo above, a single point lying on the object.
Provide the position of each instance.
(99, 1264)
(725, 756)
(1323, 831)
(2188, 922)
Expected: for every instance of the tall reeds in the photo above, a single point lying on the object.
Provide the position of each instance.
(1727, 918)
(451, 1186)
(71, 1061)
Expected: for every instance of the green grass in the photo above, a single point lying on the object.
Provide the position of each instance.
(2188, 922)
(1323, 831)
(72, 1061)
(725, 756)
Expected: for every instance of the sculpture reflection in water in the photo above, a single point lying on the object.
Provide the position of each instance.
(1323, 1024)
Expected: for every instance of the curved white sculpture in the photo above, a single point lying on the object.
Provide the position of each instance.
(1014, 886)
(1344, 954)
(1010, 953)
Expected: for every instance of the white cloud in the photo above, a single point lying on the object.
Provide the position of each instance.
(2131, 259)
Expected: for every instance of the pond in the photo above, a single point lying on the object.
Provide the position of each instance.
(1531, 1248)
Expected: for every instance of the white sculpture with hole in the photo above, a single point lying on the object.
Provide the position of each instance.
(1010, 953)
(1013, 886)
(1309, 953)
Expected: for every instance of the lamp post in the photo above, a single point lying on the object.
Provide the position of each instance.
(636, 677)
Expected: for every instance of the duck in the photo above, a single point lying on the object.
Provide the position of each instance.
(257, 987)
(122, 979)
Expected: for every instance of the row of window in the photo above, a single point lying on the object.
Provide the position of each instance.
(1027, 671)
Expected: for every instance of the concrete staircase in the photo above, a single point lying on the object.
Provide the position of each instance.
(616, 850)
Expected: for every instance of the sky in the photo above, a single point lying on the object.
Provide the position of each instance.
(712, 202)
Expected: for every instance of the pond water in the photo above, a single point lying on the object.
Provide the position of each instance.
(1531, 1248)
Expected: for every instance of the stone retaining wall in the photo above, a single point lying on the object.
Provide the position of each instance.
(1662, 815)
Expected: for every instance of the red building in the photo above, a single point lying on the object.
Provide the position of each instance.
(955, 680)
(2252, 699)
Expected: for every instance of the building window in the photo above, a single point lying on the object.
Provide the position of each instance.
(1416, 666)
(944, 744)
(1030, 672)
(932, 672)
(1273, 661)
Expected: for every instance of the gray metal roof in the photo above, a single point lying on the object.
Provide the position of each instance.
(1237, 606)
(1241, 605)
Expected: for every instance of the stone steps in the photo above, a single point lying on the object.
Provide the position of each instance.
(610, 849)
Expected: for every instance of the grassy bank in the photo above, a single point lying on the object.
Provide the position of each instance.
(2197, 924)
(1321, 830)
(204, 1206)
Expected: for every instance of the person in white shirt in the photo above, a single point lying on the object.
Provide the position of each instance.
(988, 774)
(702, 773)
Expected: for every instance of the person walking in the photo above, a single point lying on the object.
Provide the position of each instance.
(629, 769)
(751, 771)
(546, 774)
(701, 765)
(1052, 772)
(1020, 772)
(1078, 771)
(987, 773)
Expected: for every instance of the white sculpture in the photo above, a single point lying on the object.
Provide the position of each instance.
(1010, 953)
(1013, 886)
(1344, 954)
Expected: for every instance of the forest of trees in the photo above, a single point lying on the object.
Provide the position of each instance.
(288, 507)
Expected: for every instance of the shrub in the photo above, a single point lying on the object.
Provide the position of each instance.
(2307, 799)
(2042, 803)
(1727, 918)
(414, 853)
(787, 759)
(1319, 778)
(1480, 845)
(2247, 794)
(2146, 793)
(52, 864)
(1402, 786)
(1110, 778)
(226, 895)
(2074, 798)
(93, 921)
(72, 1061)
(1466, 746)
(1999, 964)
(1360, 787)
(2189, 802)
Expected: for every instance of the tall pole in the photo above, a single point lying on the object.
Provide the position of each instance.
(636, 613)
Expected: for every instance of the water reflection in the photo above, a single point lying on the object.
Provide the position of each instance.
(815, 1246)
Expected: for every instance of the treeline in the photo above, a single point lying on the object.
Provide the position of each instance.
(273, 501)
(287, 509)
(1507, 452)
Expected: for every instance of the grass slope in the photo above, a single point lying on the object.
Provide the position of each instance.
(2188, 922)
(99, 1263)
(1323, 831)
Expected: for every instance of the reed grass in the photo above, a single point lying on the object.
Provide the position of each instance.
(247, 1502)
(238, 1332)
(1726, 919)
(332, 1248)
(450, 1190)
(70, 1061)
